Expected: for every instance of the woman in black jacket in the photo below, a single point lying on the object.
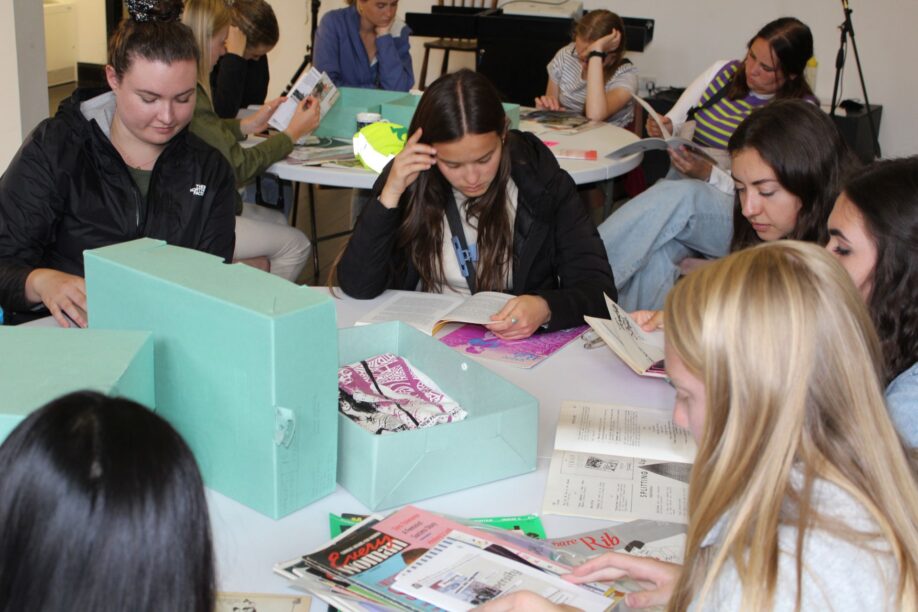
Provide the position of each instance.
(513, 209)
(112, 168)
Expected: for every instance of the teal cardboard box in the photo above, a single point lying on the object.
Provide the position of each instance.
(497, 439)
(40, 364)
(341, 119)
(401, 110)
(246, 366)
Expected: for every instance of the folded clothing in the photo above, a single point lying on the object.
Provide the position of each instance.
(386, 394)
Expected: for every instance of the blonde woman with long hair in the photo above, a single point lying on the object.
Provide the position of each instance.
(802, 496)
(260, 232)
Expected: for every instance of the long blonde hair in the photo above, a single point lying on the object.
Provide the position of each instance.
(205, 17)
(792, 369)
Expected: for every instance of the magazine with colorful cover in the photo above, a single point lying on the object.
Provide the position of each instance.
(640, 350)
(619, 463)
(526, 353)
(311, 83)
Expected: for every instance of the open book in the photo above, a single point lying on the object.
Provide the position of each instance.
(429, 312)
(619, 463)
(311, 83)
(651, 143)
(641, 351)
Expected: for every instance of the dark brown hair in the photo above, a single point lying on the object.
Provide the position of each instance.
(596, 24)
(153, 31)
(886, 193)
(791, 44)
(809, 158)
(457, 104)
(257, 21)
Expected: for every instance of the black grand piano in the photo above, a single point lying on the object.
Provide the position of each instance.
(513, 50)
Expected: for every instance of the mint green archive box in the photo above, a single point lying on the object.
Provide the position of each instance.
(341, 119)
(401, 110)
(39, 364)
(246, 366)
(497, 439)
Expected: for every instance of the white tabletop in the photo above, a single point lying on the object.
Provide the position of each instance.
(248, 544)
(603, 138)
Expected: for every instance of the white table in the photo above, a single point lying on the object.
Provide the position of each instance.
(248, 544)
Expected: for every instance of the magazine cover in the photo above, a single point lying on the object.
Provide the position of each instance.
(527, 353)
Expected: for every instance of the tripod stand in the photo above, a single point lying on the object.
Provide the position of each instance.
(847, 31)
(314, 7)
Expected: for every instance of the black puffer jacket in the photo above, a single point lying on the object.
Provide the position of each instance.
(67, 190)
(557, 252)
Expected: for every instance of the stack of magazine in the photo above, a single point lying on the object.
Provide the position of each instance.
(417, 560)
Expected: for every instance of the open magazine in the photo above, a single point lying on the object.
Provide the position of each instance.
(651, 143)
(429, 312)
(366, 562)
(526, 353)
(311, 83)
(641, 351)
(619, 463)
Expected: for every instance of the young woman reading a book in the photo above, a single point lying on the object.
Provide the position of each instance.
(113, 167)
(801, 496)
(873, 231)
(102, 508)
(365, 45)
(789, 162)
(260, 232)
(591, 75)
(647, 237)
(470, 205)
(241, 76)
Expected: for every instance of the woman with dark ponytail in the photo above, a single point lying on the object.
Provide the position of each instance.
(114, 167)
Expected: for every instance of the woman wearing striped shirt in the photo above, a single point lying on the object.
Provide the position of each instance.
(649, 236)
(591, 75)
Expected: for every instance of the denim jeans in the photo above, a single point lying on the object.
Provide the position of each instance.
(902, 400)
(647, 237)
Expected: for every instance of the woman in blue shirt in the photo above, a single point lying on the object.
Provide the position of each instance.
(364, 45)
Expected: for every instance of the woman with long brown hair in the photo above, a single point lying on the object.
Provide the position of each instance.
(513, 209)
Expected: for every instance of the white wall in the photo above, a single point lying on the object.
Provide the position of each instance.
(24, 101)
(687, 39)
(92, 47)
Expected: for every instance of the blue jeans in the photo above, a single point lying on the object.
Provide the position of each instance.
(647, 237)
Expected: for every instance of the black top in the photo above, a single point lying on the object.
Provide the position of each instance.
(67, 189)
(557, 252)
(236, 83)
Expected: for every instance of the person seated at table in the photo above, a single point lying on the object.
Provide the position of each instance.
(789, 162)
(591, 75)
(241, 76)
(873, 231)
(113, 167)
(801, 496)
(102, 508)
(260, 231)
(676, 219)
(465, 176)
(365, 45)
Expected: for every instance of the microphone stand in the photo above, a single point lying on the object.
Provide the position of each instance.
(314, 7)
(847, 30)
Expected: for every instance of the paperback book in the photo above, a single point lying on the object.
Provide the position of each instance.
(619, 463)
(429, 312)
(653, 143)
(642, 351)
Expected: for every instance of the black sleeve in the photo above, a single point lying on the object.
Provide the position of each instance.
(581, 264)
(227, 83)
(30, 207)
(366, 266)
(218, 234)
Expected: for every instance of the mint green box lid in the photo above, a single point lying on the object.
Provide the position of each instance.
(497, 439)
(39, 364)
(341, 119)
(246, 366)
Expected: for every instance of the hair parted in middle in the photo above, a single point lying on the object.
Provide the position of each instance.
(791, 365)
(205, 17)
(460, 103)
(809, 158)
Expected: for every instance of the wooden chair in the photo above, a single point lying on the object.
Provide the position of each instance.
(468, 45)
